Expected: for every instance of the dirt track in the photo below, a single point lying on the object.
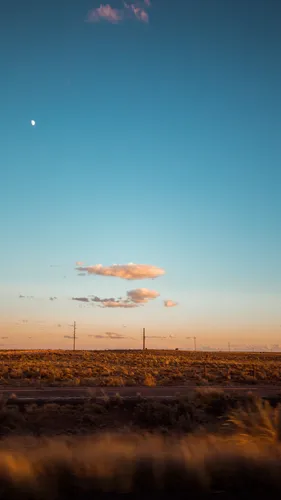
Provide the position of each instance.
(51, 393)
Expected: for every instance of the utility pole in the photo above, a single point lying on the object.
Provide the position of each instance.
(74, 335)
(143, 339)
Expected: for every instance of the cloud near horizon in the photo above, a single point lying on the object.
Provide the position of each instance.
(170, 303)
(124, 271)
(106, 303)
(160, 337)
(117, 303)
(111, 335)
(105, 12)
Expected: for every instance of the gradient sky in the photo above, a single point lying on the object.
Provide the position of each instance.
(157, 141)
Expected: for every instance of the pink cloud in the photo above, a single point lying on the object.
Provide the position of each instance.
(125, 271)
(112, 15)
(170, 303)
(140, 14)
(118, 303)
(106, 13)
(142, 295)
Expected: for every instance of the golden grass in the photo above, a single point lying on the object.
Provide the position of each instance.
(241, 463)
(258, 419)
(205, 467)
(136, 368)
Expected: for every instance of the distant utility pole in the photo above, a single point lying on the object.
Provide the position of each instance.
(74, 335)
(194, 340)
(143, 339)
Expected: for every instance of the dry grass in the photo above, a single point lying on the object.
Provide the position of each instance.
(258, 419)
(245, 462)
(110, 467)
(136, 368)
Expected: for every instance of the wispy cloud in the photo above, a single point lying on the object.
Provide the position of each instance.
(139, 13)
(137, 10)
(155, 337)
(78, 263)
(124, 271)
(111, 336)
(170, 303)
(94, 298)
(30, 297)
(81, 299)
(105, 13)
(113, 303)
(53, 298)
(124, 305)
(160, 337)
(68, 337)
(135, 298)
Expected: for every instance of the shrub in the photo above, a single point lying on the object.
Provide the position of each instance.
(258, 419)
(149, 380)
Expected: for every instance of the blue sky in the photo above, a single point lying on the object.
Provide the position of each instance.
(157, 141)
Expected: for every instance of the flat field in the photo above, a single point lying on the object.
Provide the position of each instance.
(137, 368)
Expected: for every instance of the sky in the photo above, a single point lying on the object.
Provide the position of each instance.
(148, 193)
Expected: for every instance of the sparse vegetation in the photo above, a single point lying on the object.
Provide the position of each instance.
(137, 368)
(211, 410)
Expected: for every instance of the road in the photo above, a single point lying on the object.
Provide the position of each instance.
(59, 393)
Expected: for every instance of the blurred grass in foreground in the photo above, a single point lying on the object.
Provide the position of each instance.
(246, 461)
